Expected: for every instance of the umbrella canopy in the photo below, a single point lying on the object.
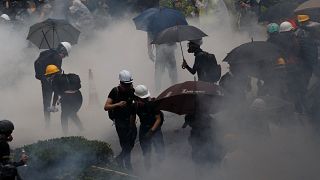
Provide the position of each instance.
(311, 7)
(190, 96)
(178, 33)
(279, 12)
(49, 33)
(257, 51)
(255, 58)
(155, 20)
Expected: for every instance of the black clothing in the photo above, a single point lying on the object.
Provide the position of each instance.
(204, 147)
(8, 170)
(46, 58)
(70, 105)
(203, 66)
(71, 98)
(126, 131)
(122, 115)
(47, 93)
(147, 115)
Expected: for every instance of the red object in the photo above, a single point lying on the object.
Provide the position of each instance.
(293, 23)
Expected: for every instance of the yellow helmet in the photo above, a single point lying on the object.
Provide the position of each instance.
(51, 69)
(281, 61)
(303, 18)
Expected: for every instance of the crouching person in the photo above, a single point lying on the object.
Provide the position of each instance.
(8, 169)
(151, 121)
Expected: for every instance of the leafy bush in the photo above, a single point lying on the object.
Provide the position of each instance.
(65, 158)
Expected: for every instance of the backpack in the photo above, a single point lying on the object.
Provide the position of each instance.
(212, 68)
(74, 82)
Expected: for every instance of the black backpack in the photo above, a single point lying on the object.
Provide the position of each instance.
(111, 113)
(212, 68)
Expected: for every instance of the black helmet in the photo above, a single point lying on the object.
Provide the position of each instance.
(6, 127)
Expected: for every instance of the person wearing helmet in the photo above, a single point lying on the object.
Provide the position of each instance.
(49, 57)
(151, 121)
(205, 64)
(273, 31)
(8, 170)
(119, 105)
(66, 88)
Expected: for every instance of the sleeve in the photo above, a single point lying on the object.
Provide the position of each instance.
(196, 64)
(113, 94)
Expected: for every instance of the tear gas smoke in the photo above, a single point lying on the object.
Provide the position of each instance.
(290, 153)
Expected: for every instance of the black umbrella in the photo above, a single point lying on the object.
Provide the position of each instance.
(254, 56)
(178, 33)
(279, 12)
(49, 33)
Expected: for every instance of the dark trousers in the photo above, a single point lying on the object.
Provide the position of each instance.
(127, 137)
(146, 144)
(70, 105)
(46, 97)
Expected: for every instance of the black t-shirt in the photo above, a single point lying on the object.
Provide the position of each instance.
(203, 65)
(122, 115)
(147, 112)
(4, 152)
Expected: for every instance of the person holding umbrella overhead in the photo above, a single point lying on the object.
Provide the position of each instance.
(205, 64)
(49, 57)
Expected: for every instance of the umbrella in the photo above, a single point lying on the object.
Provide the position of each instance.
(49, 33)
(255, 56)
(311, 7)
(179, 33)
(190, 96)
(155, 20)
(279, 12)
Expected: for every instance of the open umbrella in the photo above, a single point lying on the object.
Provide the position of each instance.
(178, 33)
(190, 96)
(49, 33)
(154, 20)
(311, 7)
(255, 57)
(279, 12)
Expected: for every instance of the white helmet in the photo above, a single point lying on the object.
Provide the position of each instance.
(141, 91)
(286, 27)
(67, 46)
(5, 17)
(125, 77)
(258, 105)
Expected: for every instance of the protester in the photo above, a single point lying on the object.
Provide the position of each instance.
(8, 168)
(164, 58)
(49, 57)
(151, 121)
(120, 108)
(205, 64)
(66, 88)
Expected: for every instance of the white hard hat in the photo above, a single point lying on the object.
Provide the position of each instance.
(67, 46)
(258, 105)
(6, 17)
(125, 76)
(141, 91)
(286, 27)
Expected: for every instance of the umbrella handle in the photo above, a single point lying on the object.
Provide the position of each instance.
(182, 53)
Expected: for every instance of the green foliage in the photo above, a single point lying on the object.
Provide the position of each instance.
(184, 6)
(64, 158)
